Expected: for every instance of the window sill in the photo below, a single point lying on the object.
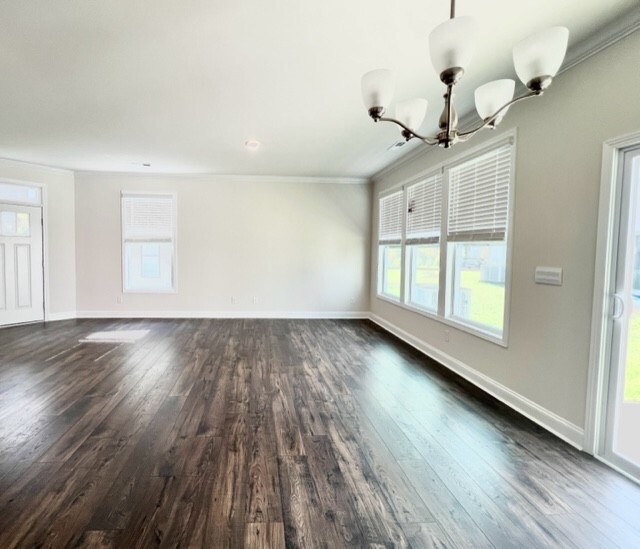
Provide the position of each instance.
(452, 322)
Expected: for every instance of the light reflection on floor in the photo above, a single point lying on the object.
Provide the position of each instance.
(115, 336)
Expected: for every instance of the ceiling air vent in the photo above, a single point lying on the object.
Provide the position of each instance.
(396, 145)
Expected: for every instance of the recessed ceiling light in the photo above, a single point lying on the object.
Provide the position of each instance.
(252, 144)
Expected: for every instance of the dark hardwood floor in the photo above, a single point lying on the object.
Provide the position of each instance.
(274, 433)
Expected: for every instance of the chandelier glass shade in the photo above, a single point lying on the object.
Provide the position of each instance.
(536, 59)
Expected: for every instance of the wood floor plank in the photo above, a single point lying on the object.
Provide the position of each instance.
(584, 534)
(97, 451)
(20, 496)
(129, 487)
(170, 522)
(310, 417)
(333, 492)
(97, 407)
(305, 523)
(27, 529)
(186, 456)
(374, 511)
(214, 408)
(449, 513)
(264, 501)
(96, 539)
(464, 433)
(482, 493)
(48, 431)
(392, 479)
(136, 519)
(262, 535)
(288, 432)
(278, 433)
(427, 535)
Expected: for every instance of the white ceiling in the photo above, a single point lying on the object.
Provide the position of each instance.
(182, 84)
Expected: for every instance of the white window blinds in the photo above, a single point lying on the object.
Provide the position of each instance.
(424, 205)
(479, 196)
(390, 228)
(148, 217)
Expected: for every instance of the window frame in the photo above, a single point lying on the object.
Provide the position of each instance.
(15, 183)
(446, 273)
(174, 241)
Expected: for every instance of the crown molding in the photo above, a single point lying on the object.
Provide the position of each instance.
(25, 164)
(231, 178)
(606, 36)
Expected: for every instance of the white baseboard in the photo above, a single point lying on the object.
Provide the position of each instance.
(559, 426)
(226, 314)
(69, 315)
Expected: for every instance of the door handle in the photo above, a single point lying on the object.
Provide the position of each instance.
(618, 307)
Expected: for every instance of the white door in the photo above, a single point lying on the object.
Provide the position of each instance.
(21, 269)
(622, 436)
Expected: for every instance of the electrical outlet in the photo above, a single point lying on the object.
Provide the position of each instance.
(446, 336)
(119, 300)
(233, 300)
(255, 300)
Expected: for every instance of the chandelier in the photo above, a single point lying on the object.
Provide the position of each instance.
(537, 59)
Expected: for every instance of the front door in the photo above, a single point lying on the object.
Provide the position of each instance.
(21, 267)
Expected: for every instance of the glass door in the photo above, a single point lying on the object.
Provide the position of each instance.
(623, 403)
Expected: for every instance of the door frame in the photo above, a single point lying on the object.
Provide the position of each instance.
(601, 319)
(45, 232)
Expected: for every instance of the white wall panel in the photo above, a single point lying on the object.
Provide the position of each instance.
(23, 275)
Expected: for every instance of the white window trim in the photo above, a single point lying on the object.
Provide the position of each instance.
(444, 291)
(174, 196)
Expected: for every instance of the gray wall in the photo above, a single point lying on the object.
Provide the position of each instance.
(558, 170)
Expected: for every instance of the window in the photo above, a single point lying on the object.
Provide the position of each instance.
(447, 254)
(389, 245)
(20, 194)
(423, 221)
(148, 242)
(476, 237)
(15, 223)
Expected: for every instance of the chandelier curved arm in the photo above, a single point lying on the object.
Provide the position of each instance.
(488, 121)
(408, 133)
